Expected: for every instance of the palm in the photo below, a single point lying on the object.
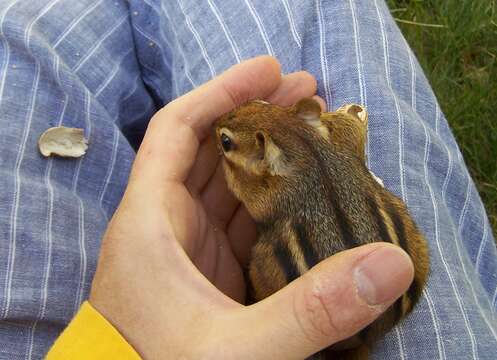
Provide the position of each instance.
(216, 232)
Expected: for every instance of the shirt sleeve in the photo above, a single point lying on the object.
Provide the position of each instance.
(90, 336)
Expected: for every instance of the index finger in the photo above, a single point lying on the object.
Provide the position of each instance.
(171, 142)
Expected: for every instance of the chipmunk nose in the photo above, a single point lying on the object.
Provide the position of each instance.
(226, 143)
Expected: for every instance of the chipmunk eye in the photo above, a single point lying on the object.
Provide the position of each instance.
(226, 143)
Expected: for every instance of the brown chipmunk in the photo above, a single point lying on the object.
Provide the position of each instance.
(302, 176)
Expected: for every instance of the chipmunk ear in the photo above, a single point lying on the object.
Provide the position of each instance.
(271, 156)
(308, 110)
(355, 110)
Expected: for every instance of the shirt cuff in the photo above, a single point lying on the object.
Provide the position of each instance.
(90, 336)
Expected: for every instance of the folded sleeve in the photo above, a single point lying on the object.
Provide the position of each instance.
(90, 336)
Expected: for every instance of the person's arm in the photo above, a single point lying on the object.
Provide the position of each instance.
(90, 336)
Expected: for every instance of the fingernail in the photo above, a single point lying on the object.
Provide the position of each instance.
(383, 275)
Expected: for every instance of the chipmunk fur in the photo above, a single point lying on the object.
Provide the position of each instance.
(301, 173)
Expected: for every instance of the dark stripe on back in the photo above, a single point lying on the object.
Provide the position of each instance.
(414, 291)
(263, 226)
(285, 260)
(310, 256)
(343, 222)
(380, 221)
(397, 310)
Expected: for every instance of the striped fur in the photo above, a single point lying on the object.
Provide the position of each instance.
(314, 199)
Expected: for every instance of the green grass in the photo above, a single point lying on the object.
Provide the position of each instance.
(459, 56)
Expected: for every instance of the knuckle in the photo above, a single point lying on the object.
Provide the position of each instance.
(309, 77)
(236, 95)
(157, 118)
(315, 315)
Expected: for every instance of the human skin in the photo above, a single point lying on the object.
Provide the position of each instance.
(169, 276)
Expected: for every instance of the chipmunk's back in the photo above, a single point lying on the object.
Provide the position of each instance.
(302, 176)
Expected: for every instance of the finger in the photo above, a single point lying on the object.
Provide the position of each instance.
(205, 166)
(294, 87)
(321, 102)
(229, 275)
(218, 201)
(170, 145)
(331, 302)
(242, 235)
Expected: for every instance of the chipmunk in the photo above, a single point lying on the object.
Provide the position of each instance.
(302, 176)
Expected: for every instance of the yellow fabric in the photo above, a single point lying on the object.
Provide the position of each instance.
(90, 336)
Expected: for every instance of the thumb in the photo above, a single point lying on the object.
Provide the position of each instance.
(331, 302)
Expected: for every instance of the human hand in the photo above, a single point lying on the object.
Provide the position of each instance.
(169, 276)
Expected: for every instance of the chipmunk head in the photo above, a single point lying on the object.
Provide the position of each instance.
(348, 126)
(266, 146)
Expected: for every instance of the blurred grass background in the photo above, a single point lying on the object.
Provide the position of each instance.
(456, 43)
